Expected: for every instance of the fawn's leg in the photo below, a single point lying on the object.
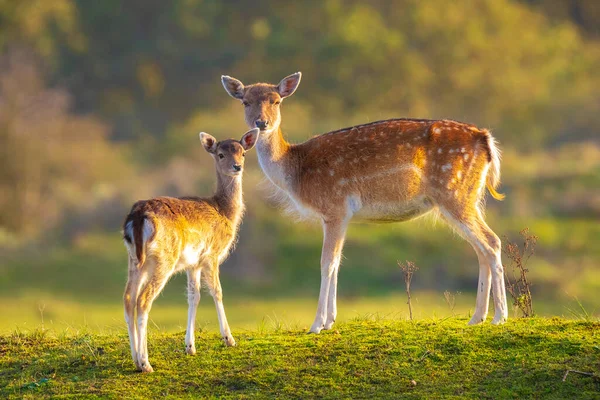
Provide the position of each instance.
(156, 282)
(129, 302)
(334, 233)
(214, 285)
(193, 300)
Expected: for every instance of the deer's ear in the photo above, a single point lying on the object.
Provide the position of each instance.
(209, 142)
(289, 84)
(232, 86)
(249, 139)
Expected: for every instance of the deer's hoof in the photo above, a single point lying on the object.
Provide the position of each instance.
(329, 325)
(229, 341)
(476, 320)
(190, 349)
(146, 367)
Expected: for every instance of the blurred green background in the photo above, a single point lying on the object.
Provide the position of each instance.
(101, 102)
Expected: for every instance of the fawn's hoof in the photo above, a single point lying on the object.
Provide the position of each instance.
(498, 320)
(146, 367)
(229, 341)
(190, 349)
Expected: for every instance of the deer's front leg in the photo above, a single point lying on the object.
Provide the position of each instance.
(193, 300)
(214, 284)
(334, 233)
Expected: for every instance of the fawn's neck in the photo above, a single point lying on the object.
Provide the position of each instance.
(273, 156)
(229, 197)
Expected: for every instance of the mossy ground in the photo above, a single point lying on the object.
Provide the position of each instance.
(366, 358)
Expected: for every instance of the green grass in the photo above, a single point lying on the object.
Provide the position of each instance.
(363, 358)
(31, 309)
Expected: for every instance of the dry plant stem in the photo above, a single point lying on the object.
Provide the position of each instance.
(575, 372)
(520, 287)
(408, 269)
(450, 300)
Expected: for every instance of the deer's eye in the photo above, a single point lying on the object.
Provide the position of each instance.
(221, 156)
(245, 103)
(276, 102)
(243, 154)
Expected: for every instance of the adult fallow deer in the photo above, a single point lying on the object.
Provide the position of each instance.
(384, 171)
(166, 235)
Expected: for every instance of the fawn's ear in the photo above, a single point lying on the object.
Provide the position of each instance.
(249, 139)
(234, 87)
(209, 142)
(289, 84)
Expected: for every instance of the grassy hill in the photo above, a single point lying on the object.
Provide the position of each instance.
(364, 358)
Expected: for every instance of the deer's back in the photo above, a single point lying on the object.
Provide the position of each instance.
(389, 170)
(183, 230)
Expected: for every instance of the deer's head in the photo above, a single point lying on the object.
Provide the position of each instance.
(229, 154)
(262, 101)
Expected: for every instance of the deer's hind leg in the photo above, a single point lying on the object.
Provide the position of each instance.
(471, 226)
(129, 302)
(154, 277)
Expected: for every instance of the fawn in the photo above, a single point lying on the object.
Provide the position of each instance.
(384, 171)
(166, 235)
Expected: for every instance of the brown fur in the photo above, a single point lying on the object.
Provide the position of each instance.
(166, 235)
(384, 171)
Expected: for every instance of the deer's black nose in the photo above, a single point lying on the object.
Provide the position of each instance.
(261, 124)
(237, 167)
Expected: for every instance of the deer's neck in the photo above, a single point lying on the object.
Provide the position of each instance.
(274, 158)
(228, 197)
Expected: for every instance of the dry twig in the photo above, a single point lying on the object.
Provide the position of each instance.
(408, 269)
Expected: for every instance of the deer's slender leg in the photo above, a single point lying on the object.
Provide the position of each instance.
(156, 282)
(498, 284)
(193, 276)
(334, 233)
(332, 299)
(214, 284)
(129, 302)
(487, 247)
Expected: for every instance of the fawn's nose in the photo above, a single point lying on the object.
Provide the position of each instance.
(237, 167)
(261, 124)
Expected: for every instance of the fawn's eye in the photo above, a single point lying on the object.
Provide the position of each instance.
(276, 102)
(221, 156)
(243, 154)
(245, 103)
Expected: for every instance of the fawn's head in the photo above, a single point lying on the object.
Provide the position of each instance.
(262, 100)
(229, 154)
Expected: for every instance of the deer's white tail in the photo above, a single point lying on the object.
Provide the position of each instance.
(136, 234)
(493, 175)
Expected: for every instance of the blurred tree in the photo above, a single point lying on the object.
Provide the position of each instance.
(144, 66)
(51, 161)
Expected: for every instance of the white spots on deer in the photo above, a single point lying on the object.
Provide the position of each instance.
(466, 157)
(459, 175)
(342, 181)
(462, 150)
(446, 167)
(331, 172)
(440, 151)
(437, 131)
